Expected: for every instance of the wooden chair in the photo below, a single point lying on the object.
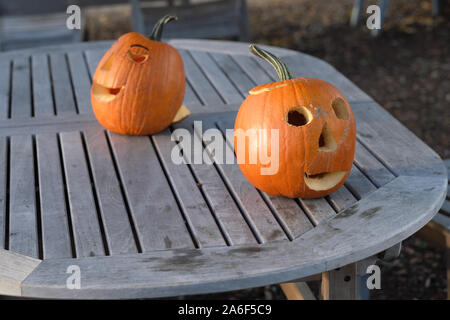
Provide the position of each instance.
(25, 24)
(437, 231)
(197, 18)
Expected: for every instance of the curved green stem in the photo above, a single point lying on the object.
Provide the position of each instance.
(158, 28)
(279, 66)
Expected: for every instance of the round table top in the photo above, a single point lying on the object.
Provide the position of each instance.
(116, 212)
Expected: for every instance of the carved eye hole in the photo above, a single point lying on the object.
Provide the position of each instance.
(138, 53)
(298, 116)
(340, 109)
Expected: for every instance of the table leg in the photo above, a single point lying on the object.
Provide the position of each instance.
(340, 284)
(297, 291)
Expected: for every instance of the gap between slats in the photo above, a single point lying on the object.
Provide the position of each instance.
(95, 194)
(280, 221)
(221, 228)
(177, 200)
(124, 197)
(66, 198)
(237, 200)
(235, 197)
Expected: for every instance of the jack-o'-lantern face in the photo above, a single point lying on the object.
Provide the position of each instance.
(317, 135)
(138, 86)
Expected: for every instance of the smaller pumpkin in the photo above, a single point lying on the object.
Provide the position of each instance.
(138, 86)
(316, 134)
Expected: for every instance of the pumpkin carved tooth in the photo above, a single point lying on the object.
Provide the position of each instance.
(324, 180)
(315, 130)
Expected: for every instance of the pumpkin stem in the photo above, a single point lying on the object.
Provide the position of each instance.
(158, 28)
(279, 66)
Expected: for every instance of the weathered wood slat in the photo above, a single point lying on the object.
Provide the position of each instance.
(159, 223)
(230, 47)
(190, 97)
(3, 186)
(302, 65)
(5, 76)
(252, 69)
(200, 84)
(270, 71)
(375, 170)
(56, 240)
(49, 124)
(233, 72)
(397, 148)
(194, 206)
(21, 91)
(93, 57)
(248, 198)
(140, 177)
(14, 268)
(118, 231)
(226, 89)
(358, 183)
(62, 86)
(23, 233)
(230, 219)
(356, 230)
(318, 210)
(83, 212)
(81, 81)
(289, 214)
(42, 86)
(341, 198)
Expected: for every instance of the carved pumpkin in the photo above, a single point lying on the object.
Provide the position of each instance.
(138, 86)
(316, 128)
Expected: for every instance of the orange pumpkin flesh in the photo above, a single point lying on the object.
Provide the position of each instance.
(317, 136)
(138, 86)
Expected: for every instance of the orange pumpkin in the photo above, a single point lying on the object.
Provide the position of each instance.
(316, 134)
(138, 87)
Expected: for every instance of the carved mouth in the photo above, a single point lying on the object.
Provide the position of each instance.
(324, 180)
(105, 94)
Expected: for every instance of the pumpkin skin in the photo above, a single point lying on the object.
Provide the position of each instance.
(315, 158)
(138, 86)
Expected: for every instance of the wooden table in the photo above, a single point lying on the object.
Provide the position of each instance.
(137, 225)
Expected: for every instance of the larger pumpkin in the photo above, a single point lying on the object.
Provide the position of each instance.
(138, 86)
(316, 129)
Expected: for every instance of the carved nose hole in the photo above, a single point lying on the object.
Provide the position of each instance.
(326, 140)
(321, 141)
(107, 65)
